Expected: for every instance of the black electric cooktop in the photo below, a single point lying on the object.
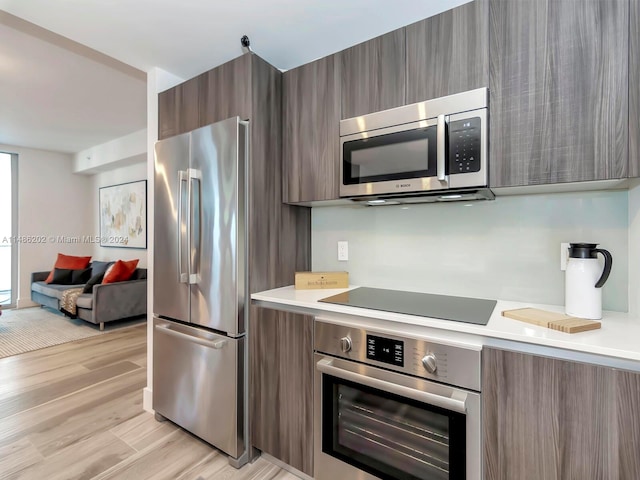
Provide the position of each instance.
(445, 307)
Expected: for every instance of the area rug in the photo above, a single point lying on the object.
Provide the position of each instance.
(27, 329)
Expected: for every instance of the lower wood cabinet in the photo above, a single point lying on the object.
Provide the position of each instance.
(550, 419)
(281, 386)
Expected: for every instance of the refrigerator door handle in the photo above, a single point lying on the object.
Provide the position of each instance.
(182, 179)
(193, 228)
(215, 344)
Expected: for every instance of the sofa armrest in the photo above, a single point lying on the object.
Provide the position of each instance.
(113, 301)
(39, 276)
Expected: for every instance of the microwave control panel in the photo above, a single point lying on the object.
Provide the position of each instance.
(464, 146)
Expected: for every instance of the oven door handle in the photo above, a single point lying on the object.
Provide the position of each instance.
(454, 404)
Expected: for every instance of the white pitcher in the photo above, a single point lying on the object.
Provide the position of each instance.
(584, 280)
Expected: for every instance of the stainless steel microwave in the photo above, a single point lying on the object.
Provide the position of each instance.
(435, 150)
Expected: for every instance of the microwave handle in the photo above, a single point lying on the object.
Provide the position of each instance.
(441, 144)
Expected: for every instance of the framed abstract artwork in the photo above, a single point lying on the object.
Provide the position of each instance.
(123, 215)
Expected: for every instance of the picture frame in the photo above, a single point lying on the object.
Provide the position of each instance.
(123, 215)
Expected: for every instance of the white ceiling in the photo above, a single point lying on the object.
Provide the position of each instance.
(185, 37)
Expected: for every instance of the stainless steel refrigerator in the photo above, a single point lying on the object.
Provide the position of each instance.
(200, 300)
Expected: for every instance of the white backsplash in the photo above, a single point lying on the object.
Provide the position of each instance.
(506, 249)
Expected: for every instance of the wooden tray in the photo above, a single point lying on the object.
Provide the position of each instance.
(552, 320)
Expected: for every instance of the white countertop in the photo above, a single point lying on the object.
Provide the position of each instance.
(618, 338)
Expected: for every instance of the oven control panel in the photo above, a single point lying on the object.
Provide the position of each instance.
(452, 364)
(385, 350)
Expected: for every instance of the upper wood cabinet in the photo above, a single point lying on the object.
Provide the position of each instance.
(374, 75)
(225, 91)
(558, 420)
(448, 53)
(179, 108)
(558, 80)
(634, 90)
(218, 94)
(311, 121)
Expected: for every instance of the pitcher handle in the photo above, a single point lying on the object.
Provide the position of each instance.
(608, 261)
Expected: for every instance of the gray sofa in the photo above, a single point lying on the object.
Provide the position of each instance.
(108, 302)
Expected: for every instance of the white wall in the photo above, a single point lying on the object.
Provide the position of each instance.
(52, 202)
(504, 249)
(116, 176)
(119, 152)
(158, 80)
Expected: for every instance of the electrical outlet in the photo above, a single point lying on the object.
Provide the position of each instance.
(343, 251)
(564, 255)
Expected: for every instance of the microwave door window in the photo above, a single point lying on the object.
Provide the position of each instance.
(395, 156)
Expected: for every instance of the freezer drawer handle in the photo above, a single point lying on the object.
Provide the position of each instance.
(456, 405)
(217, 344)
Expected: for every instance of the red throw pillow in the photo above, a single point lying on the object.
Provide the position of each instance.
(120, 271)
(70, 263)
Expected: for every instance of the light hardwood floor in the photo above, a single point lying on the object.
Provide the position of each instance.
(74, 411)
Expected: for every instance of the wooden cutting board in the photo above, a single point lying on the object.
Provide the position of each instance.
(552, 320)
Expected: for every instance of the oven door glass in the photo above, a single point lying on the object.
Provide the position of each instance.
(392, 156)
(389, 436)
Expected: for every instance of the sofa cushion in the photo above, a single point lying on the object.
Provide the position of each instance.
(69, 261)
(51, 289)
(120, 271)
(85, 301)
(98, 267)
(80, 276)
(95, 280)
(139, 274)
(61, 276)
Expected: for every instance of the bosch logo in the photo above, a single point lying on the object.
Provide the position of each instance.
(403, 185)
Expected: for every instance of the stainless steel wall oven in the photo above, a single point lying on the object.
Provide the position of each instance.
(395, 407)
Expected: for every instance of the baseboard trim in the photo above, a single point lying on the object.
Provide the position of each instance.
(25, 303)
(147, 400)
(285, 466)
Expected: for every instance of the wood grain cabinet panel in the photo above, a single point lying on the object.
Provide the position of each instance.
(281, 382)
(448, 53)
(226, 91)
(374, 75)
(552, 419)
(179, 108)
(558, 81)
(311, 129)
(634, 88)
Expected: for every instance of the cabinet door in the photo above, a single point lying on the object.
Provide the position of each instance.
(558, 420)
(558, 82)
(226, 91)
(634, 90)
(448, 53)
(373, 75)
(179, 108)
(281, 386)
(311, 122)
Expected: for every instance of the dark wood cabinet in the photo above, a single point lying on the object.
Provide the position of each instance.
(374, 75)
(448, 53)
(279, 244)
(281, 386)
(558, 420)
(558, 81)
(225, 91)
(634, 88)
(179, 108)
(311, 121)
(218, 94)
